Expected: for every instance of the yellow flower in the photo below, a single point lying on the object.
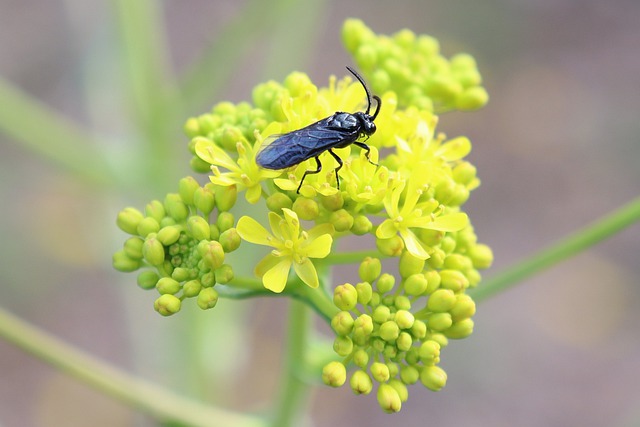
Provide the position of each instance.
(292, 247)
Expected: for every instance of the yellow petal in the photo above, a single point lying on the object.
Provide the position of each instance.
(251, 231)
(306, 271)
(319, 247)
(276, 278)
(450, 222)
(386, 230)
(266, 264)
(455, 149)
(211, 153)
(413, 245)
(253, 194)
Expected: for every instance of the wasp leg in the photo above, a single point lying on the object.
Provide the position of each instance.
(367, 150)
(310, 172)
(339, 160)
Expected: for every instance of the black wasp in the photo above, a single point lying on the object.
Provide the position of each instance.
(336, 131)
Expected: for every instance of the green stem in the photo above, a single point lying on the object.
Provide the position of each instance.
(293, 391)
(318, 300)
(569, 246)
(147, 397)
(351, 257)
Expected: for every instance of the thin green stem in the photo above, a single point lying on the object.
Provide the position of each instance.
(293, 391)
(567, 247)
(351, 257)
(147, 397)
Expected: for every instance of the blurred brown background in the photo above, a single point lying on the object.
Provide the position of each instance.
(557, 147)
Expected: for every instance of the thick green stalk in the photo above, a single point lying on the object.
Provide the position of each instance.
(567, 247)
(147, 397)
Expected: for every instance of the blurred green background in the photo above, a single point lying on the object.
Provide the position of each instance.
(557, 146)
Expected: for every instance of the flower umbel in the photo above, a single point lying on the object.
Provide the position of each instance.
(292, 246)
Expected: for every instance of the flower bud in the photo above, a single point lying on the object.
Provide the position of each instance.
(342, 323)
(153, 251)
(419, 329)
(214, 232)
(415, 284)
(226, 197)
(388, 399)
(361, 225)
(123, 262)
(207, 298)
(155, 210)
(404, 319)
(133, 247)
(433, 377)
(167, 285)
(402, 302)
(433, 281)
(380, 372)
(208, 279)
(361, 382)
(334, 374)
(204, 200)
(385, 283)
(225, 221)
(441, 300)
(381, 314)
(453, 280)
(440, 321)
(192, 288)
(168, 235)
(472, 98)
(306, 209)
(341, 220)
(343, 346)
(180, 274)
(332, 202)
(230, 240)
(199, 165)
(361, 358)
(464, 308)
(404, 341)
(429, 352)
(345, 296)
(187, 187)
(481, 256)
(457, 262)
(402, 390)
(198, 227)
(175, 207)
(370, 269)
(148, 226)
(212, 253)
(128, 220)
(409, 374)
(167, 305)
(389, 331)
(410, 265)
(224, 274)
(461, 329)
(147, 279)
(390, 247)
(464, 173)
(365, 291)
(277, 201)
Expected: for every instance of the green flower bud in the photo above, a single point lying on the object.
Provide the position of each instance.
(437, 258)
(385, 283)
(207, 298)
(342, 323)
(226, 197)
(419, 329)
(365, 291)
(343, 346)
(464, 173)
(433, 281)
(402, 390)
(167, 221)
(440, 321)
(404, 319)
(366, 57)
(167, 285)
(464, 308)
(402, 302)
(341, 220)
(334, 374)
(355, 33)
(459, 330)
(204, 200)
(393, 368)
(361, 358)
(404, 341)
(155, 210)
(453, 280)
(208, 279)
(128, 220)
(191, 127)
(380, 81)
(214, 232)
(225, 221)
(361, 225)
(175, 207)
(410, 265)
(389, 399)
(168, 235)
(180, 274)
(380, 372)
(133, 247)
(440, 339)
(345, 297)
(429, 352)
(473, 276)
(153, 251)
(306, 209)
(409, 374)
(167, 305)
(212, 253)
(198, 227)
(224, 274)
(370, 269)
(472, 98)
(230, 240)
(148, 226)
(198, 165)
(448, 244)
(433, 377)
(187, 187)
(481, 256)
(192, 288)
(381, 314)
(457, 262)
(364, 323)
(147, 279)
(277, 201)
(230, 137)
(389, 331)
(122, 262)
(431, 237)
(390, 247)
(415, 284)
(361, 382)
(375, 300)
(441, 301)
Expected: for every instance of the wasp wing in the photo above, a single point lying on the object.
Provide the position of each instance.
(302, 144)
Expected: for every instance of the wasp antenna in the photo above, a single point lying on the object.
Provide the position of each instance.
(366, 89)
